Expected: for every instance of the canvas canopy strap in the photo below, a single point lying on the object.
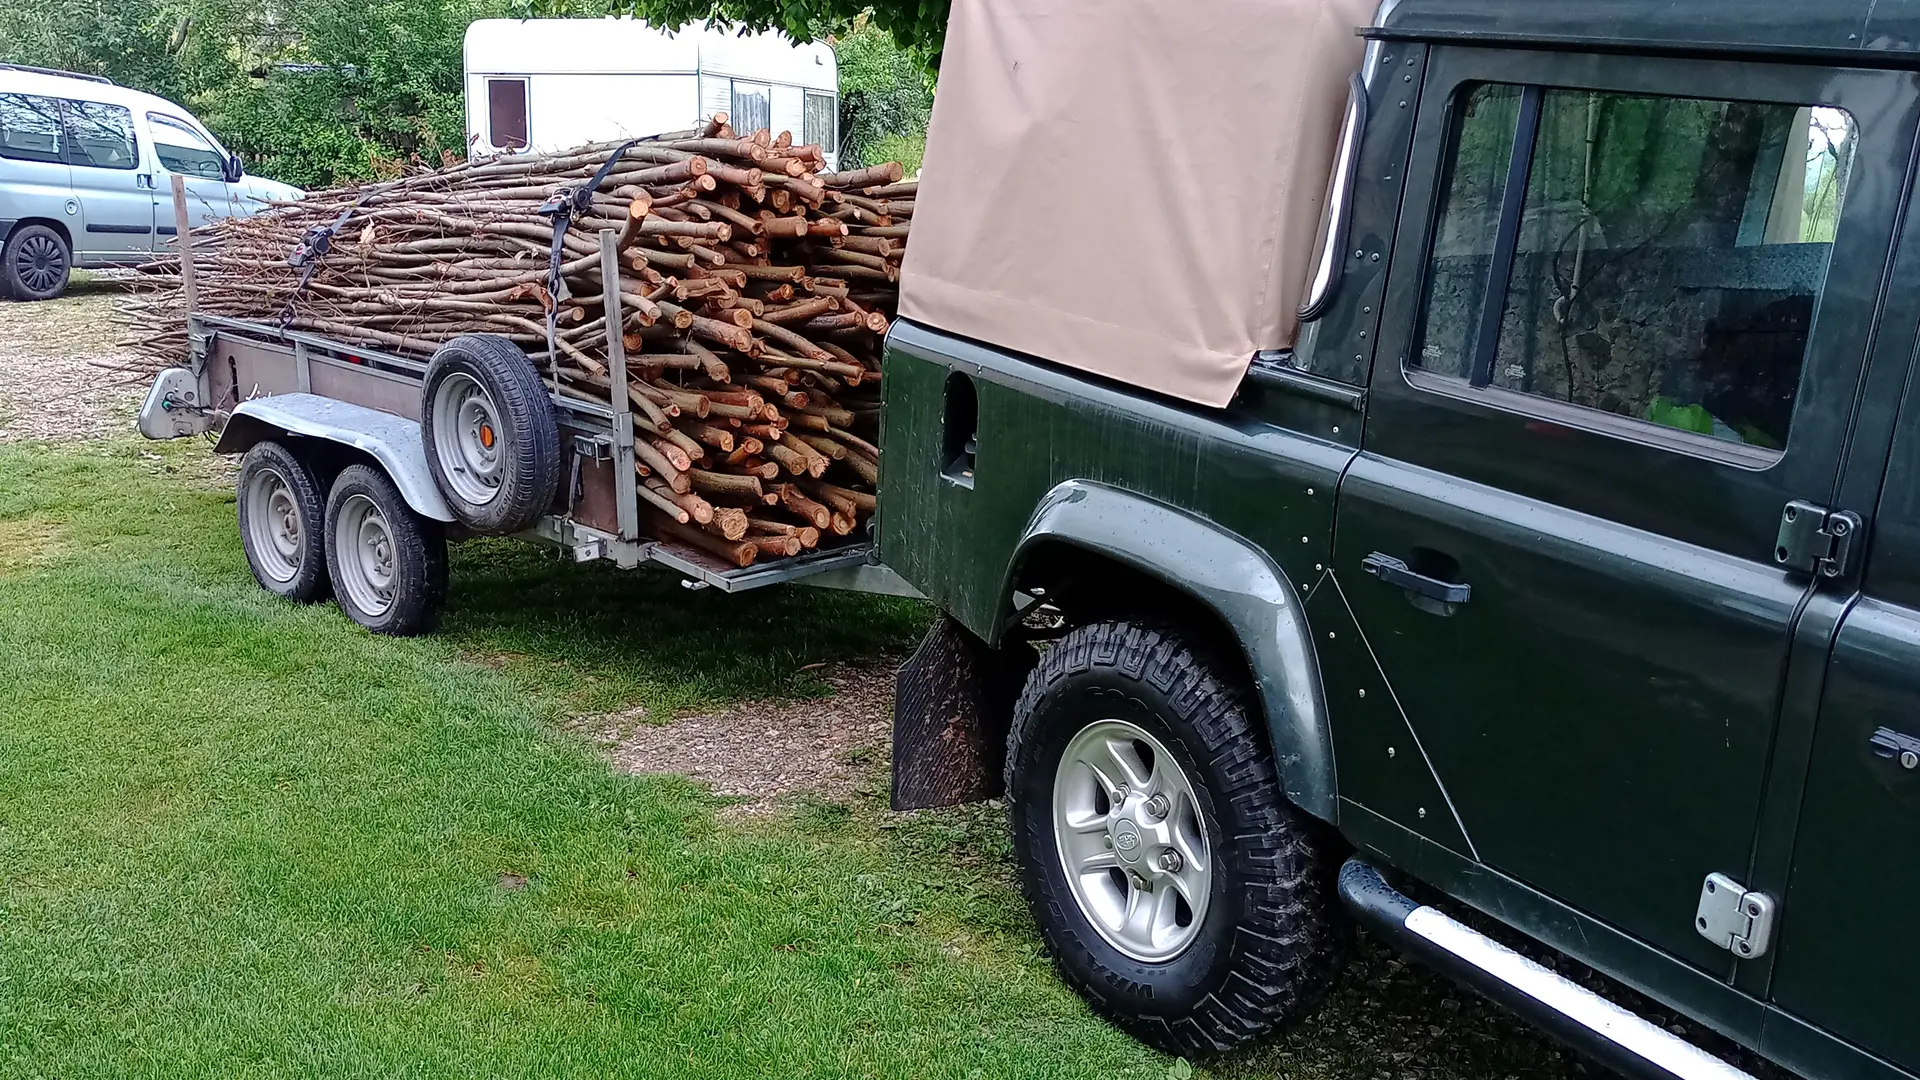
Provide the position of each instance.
(560, 209)
(1131, 187)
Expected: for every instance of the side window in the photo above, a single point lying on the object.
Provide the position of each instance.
(507, 127)
(101, 135)
(821, 118)
(30, 128)
(1653, 258)
(183, 150)
(752, 107)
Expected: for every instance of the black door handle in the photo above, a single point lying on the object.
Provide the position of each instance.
(1395, 572)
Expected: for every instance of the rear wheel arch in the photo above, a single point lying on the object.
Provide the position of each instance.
(1100, 553)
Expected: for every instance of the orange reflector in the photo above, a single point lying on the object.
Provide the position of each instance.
(486, 436)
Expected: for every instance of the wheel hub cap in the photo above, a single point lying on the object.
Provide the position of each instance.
(1131, 840)
(273, 520)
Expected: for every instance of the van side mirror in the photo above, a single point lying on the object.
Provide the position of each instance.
(234, 170)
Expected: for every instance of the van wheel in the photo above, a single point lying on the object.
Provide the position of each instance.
(35, 263)
(1175, 887)
(388, 564)
(283, 523)
(493, 444)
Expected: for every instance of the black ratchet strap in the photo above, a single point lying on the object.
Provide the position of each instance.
(560, 208)
(311, 249)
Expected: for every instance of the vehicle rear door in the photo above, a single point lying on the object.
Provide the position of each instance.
(1630, 302)
(1846, 963)
(183, 150)
(115, 192)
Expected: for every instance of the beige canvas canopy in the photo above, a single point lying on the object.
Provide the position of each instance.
(1130, 187)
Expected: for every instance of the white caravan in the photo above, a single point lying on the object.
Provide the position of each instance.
(551, 84)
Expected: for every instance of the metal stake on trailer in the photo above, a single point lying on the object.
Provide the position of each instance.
(625, 480)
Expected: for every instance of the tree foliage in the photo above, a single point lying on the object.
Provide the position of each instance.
(315, 92)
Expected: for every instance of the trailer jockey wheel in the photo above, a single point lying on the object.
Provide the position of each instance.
(388, 564)
(1176, 888)
(282, 522)
(493, 443)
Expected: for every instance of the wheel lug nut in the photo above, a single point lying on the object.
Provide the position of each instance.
(1140, 882)
(1171, 862)
(1157, 807)
(1108, 840)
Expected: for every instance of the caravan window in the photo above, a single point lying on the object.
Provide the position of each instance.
(752, 107)
(507, 114)
(820, 122)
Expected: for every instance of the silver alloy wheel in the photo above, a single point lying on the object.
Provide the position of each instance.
(466, 438)
(363, 548)
(273, 524)
(1131, 840)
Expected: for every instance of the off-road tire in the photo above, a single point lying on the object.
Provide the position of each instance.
(528, 453)
(1271, 932)
(419, 556)
(35, 264)
(308, 580)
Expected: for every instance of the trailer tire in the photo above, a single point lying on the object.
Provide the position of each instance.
(283, 523)
(1188, 783)
(492, 441)
(388, 564)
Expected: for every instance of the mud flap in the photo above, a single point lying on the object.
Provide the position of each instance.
(952, 705)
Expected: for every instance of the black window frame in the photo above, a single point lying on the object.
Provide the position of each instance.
(1522, 149)
(67, 130)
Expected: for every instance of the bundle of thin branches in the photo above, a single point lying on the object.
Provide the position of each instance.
(756, 290)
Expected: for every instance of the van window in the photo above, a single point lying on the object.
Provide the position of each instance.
(30, 128)
(184, 150)
(752, 107)
(820, 121)
(507, 114)
(100, 135)
(1654, 258)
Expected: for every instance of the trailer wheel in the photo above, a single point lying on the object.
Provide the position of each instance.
(388, 564)
(1175, 887)
(35, 264)
(493, 443)
(283, 523)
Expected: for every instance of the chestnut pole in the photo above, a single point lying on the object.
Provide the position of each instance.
(626, 496)
(183, 235)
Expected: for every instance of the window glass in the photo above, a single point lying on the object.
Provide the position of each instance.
(820, 121)
(183, 150)
(507, 114)
(30, 128)
(752, 107)
(1667, 255)
(102, 135)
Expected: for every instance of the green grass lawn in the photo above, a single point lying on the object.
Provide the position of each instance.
(243, 838)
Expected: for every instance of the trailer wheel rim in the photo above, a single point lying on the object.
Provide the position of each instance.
(273, 525)
(40, 263)
(467, 438)
(1132, 841)
(364, 550)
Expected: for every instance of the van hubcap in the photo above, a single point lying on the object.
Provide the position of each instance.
(40, 263)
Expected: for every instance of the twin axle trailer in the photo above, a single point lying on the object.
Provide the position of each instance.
(343, 488)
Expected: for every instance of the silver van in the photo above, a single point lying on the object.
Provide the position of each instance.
(86, 177)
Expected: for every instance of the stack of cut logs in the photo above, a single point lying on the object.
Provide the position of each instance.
(755, 290)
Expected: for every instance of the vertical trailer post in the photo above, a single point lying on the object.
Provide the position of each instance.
(184, 235)
(625, 480)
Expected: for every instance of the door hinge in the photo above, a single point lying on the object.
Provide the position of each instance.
(1733, 917)
(1816, 540)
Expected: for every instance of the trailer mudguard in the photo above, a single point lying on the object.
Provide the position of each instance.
(1235, 580)
(393, 441)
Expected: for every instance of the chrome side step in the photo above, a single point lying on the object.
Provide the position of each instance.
(1571, 1013)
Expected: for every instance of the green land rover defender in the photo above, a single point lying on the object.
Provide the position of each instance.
(1526, 519)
